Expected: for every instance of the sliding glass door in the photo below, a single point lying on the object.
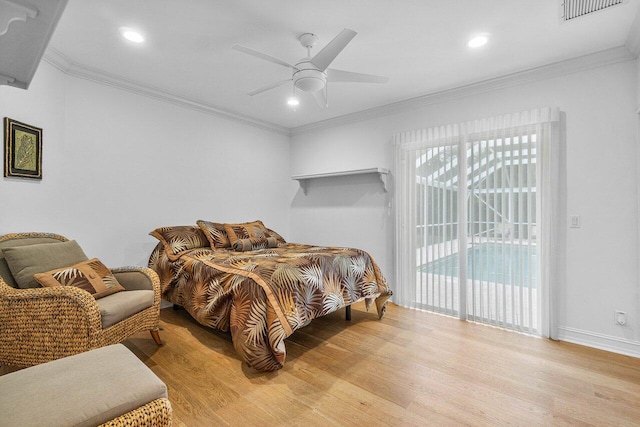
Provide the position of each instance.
(501, 229)
(437, 229)
(468, 224)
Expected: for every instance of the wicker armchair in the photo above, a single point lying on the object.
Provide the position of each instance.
(42, 324)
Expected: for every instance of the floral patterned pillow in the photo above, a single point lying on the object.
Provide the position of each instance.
(250, 230)
(179, 239)
(90, 275)
(245, 230)
(215, 233)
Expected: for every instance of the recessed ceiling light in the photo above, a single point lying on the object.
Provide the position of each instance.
(478, 41)
(131, 35)
(293, 101)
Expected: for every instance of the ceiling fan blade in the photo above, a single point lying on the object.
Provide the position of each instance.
(321, 98)
(268, 87)
(261, 55)
(348, 76)
(328, 53)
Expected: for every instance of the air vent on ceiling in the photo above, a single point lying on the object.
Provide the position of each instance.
(571, 9)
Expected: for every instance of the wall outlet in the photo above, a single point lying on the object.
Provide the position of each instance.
(620, 318)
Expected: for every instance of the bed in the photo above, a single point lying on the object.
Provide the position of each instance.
(244, 278)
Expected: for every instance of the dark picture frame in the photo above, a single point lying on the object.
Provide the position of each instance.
(22, 150)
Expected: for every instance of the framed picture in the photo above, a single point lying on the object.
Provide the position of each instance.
(22, 150)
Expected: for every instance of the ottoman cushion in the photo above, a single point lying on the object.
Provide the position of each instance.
(86, 389)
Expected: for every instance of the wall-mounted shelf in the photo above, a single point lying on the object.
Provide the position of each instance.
(304, 179)
(25, 30)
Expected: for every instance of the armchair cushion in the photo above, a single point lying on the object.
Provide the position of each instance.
(92, 276)
(133, 278)
(13, 240)
(25, 261)
(5, 273)
(116, 307)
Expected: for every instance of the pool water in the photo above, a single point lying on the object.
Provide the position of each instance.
(510, 264)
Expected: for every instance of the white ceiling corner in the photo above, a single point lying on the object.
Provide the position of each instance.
(633, 40)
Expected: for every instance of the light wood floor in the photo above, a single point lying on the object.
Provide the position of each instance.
(411, 368)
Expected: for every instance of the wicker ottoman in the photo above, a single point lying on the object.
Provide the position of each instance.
(106, 386)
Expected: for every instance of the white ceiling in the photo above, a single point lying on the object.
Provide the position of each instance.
(419, 44)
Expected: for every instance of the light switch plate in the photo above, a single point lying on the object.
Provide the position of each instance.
(574, 221)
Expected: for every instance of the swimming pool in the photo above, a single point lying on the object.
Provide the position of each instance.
(491, 262)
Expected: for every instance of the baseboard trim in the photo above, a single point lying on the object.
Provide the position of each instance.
(600, 341)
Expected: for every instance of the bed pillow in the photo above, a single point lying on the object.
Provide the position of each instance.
(245, 230)
(215, 233)
(25, 261)
(278, 237)
(254, 243)
(91, 275)
(179, 239)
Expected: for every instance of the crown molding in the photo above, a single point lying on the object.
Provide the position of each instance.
(57, 59)
(71, 68)
(569, 66)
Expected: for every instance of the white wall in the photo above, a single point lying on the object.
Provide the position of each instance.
(30, 205)
(350, 211)
(601, 186)
(116, 165)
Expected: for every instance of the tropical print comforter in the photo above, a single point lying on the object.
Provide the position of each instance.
(262, 296)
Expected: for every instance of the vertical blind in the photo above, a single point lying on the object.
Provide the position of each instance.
(475, 206)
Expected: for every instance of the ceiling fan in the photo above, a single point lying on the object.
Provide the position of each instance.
(311, 74)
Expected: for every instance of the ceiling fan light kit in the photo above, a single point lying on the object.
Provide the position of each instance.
(311, 74)
(308, 78)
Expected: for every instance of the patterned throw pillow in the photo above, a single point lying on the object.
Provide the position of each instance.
(254, 243)
(215, 233)
(245, 230)
(91, 275)
(180, 239)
